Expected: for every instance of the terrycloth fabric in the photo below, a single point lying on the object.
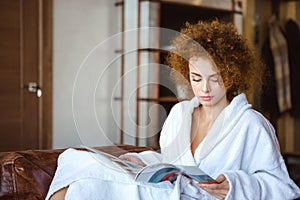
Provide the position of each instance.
(89, 179)
(282, 69)
(241, 144)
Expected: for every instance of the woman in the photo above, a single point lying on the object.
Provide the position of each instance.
(216, 130)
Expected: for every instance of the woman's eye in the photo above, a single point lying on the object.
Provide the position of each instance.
(215, 79)
(196, 79)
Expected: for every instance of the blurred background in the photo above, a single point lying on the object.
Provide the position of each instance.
(92, 71)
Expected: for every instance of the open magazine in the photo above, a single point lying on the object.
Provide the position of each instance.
(153, 173)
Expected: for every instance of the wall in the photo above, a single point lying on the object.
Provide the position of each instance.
(78, 27)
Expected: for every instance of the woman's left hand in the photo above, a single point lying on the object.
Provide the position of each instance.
(218, 190)
(132, 159)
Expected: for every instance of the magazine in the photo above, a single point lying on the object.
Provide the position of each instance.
(153, 173)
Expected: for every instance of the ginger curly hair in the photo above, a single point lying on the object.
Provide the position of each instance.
(239, 66)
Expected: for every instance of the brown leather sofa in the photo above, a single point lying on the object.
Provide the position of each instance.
(26, 175)
(292, 161)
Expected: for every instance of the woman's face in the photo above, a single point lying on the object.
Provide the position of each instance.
(206, 82)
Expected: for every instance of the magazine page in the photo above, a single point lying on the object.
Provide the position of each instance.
(157, 173)
(113, 161)
(162, 172)
(197, 174)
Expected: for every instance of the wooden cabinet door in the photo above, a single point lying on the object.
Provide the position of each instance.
(23, 62)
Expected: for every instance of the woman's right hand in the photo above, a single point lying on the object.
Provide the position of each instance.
(218, 190)
(132, 159)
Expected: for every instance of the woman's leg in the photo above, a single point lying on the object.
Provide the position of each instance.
(60, 194)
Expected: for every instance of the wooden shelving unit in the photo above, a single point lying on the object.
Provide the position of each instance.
(168, 14)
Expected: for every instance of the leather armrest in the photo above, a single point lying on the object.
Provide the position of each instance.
(292, 161)
(28, 174)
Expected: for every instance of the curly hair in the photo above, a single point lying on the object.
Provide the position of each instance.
(239, 66)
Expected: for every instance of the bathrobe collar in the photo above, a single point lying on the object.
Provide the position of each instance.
(179, 151)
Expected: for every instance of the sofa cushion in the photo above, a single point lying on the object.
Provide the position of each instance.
(28, 174)
(292, 161)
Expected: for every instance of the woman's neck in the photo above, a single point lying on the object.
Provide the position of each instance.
(209, 114)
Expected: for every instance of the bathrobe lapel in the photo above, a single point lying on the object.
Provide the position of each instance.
(179, 150)
(222, 126)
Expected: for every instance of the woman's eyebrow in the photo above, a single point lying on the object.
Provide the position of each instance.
(194, 73)
(213, 75)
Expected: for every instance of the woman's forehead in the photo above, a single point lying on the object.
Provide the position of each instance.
(202, 63)
(196, 60)
(204, 58)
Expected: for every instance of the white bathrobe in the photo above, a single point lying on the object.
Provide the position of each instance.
(241, 144)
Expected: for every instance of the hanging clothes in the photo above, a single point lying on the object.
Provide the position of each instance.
(293, 41)
(279, 50)
(269, 102)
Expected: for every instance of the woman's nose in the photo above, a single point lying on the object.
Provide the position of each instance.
(205, 86)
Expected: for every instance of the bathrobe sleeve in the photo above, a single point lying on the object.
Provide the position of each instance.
(171, 126)
(264, 174)
(167, 136)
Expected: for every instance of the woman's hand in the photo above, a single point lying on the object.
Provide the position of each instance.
(218, 190)
(132, 159)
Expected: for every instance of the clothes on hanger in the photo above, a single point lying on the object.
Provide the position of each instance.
(293, 41)
(279, 49)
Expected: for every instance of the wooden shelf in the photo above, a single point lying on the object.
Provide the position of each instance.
(160, 99)
(167, 14)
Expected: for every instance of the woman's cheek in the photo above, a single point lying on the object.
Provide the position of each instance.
(195, 89)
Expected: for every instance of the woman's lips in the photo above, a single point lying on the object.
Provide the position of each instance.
(206, 98)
